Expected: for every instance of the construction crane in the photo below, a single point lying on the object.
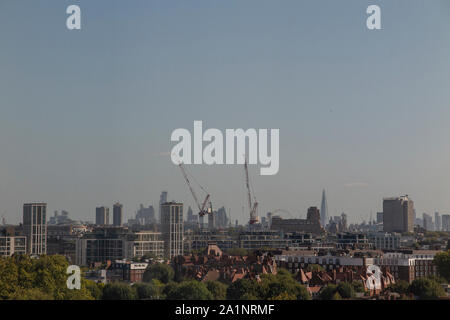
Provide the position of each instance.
(201, 206)
(252, 206)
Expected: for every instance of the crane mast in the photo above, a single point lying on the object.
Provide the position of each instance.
(201, 207)
(252, 207)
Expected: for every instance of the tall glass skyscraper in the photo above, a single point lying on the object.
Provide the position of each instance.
(324, 210)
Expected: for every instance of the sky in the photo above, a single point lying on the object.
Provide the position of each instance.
(87, 115)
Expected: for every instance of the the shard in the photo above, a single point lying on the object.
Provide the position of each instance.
(324, 210)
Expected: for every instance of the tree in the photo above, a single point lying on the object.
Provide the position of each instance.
(284, 296)
(426, 288)
(118, 291)
(146, 291)
(327, 292)
(190, 290)
(274, 286)
(95, 289)
(345, 290)
(400, 286)
(336, 296)
(159, 271)
(42, 278)
(314, 267)
(442, 262)
(242, 289)
(358, 286)
(217, 289)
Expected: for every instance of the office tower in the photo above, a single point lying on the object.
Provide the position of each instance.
(190, 215)
(211, 220)
(269, 218)
(398, 214)
(201, 221)
(221, 218)
(145, 216)
(343, 227)
(324, 210)
(437, 221)
(102, 216)
(379, 217)
(162, 199)
(117, 214)
(35, 227)
(427, 222)
(446, 222)
(172, 228)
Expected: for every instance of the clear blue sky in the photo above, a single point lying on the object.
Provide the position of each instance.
(86, 116)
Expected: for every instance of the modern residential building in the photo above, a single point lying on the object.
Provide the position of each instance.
(437, 222)
(101, 245)
(35, 227)
(144, 243)
(200, 239)
(445, 222)
(102, 216)
(115, 243)
(172, 228)
(162, 199)
(117, 215)
(428, 222)
(254, 240)
(12, 245)
(385, 240)
(398, 214)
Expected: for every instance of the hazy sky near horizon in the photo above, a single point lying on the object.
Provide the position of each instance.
(86, 116)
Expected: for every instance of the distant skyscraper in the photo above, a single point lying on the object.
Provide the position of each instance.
(437, 221)
(145, 216)
(211, 220)
(117, 214)
(398, 214)
(428, 222)
(102, 216)
(379, 217)
(324, 210)
(446, 222)
(221, 218)
(35, 227)
(162, 199)
(172, 228)
(201, 221)
(190, 215)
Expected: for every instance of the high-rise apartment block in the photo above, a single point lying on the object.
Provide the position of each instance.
(398, 214)
(162, 199)
(102, 216)
(35, 227)
(437, 222)
(445, 222)
(172, 228)
(117, 215)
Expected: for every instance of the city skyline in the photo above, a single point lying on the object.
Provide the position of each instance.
(87, 116)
